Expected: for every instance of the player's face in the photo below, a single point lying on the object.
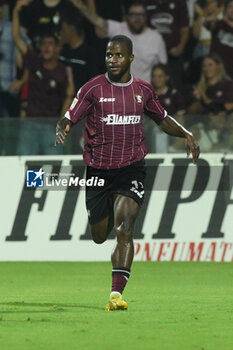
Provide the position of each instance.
(210, 68)
(136, 19)
(118, 61)
(49, 48)
(159, 78)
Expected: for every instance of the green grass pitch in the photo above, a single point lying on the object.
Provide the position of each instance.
(60, 306)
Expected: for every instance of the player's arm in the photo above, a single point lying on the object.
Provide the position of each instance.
(92, 16)
(171, 127)
(21, 45)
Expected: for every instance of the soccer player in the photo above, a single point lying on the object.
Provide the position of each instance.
(113, 105)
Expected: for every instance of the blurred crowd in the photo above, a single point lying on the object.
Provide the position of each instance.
(50, 48)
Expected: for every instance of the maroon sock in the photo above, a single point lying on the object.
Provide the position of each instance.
(120, 276)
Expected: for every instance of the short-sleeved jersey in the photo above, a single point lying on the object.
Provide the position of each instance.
(221, 92)
(172, 101)
(114, 115)
(168, 17)
(47, 87)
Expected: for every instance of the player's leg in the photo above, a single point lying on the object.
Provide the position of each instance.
(99, 204)
(101, 230)
(126, 211)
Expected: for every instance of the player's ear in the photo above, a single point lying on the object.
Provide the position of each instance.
(131, 58)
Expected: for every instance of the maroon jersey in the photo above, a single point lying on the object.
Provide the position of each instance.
(46, 87)
(221, 92)
(114, 114)
(168, 17)
(222, 44)
(172, 101)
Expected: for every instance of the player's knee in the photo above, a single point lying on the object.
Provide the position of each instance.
(97, 237)
(124, 230)
(98, 240)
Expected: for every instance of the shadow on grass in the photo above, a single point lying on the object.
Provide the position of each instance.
(56, 307)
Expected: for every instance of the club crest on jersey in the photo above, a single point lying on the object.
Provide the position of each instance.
(139, 99)
(116, 119)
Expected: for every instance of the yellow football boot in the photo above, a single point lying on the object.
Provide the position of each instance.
(115, 302)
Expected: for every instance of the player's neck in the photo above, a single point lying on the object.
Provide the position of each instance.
(121, 80)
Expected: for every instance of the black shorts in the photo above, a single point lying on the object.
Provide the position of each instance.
(128, 181)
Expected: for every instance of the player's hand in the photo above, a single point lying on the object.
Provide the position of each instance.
(192, 147)
(62, 130)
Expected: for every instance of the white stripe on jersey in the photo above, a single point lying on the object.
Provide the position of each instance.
(123, 147)
(102, 110)
(134, 112)
(141, 134)
(113, 134)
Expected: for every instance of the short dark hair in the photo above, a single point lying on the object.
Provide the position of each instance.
(164, 67)
(135, 3)
(125, 40)
(49, 35)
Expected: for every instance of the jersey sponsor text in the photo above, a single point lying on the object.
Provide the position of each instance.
(117, 119)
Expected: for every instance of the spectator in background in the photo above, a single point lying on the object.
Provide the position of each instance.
(214, 86)
(169, 97)
(210, 133)
(50, 89)
(44, 16)
(115, 10)
(207, 12)
(222, 38)
(149, 47)
(9, 101)
(171, 19)
(76, 52)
